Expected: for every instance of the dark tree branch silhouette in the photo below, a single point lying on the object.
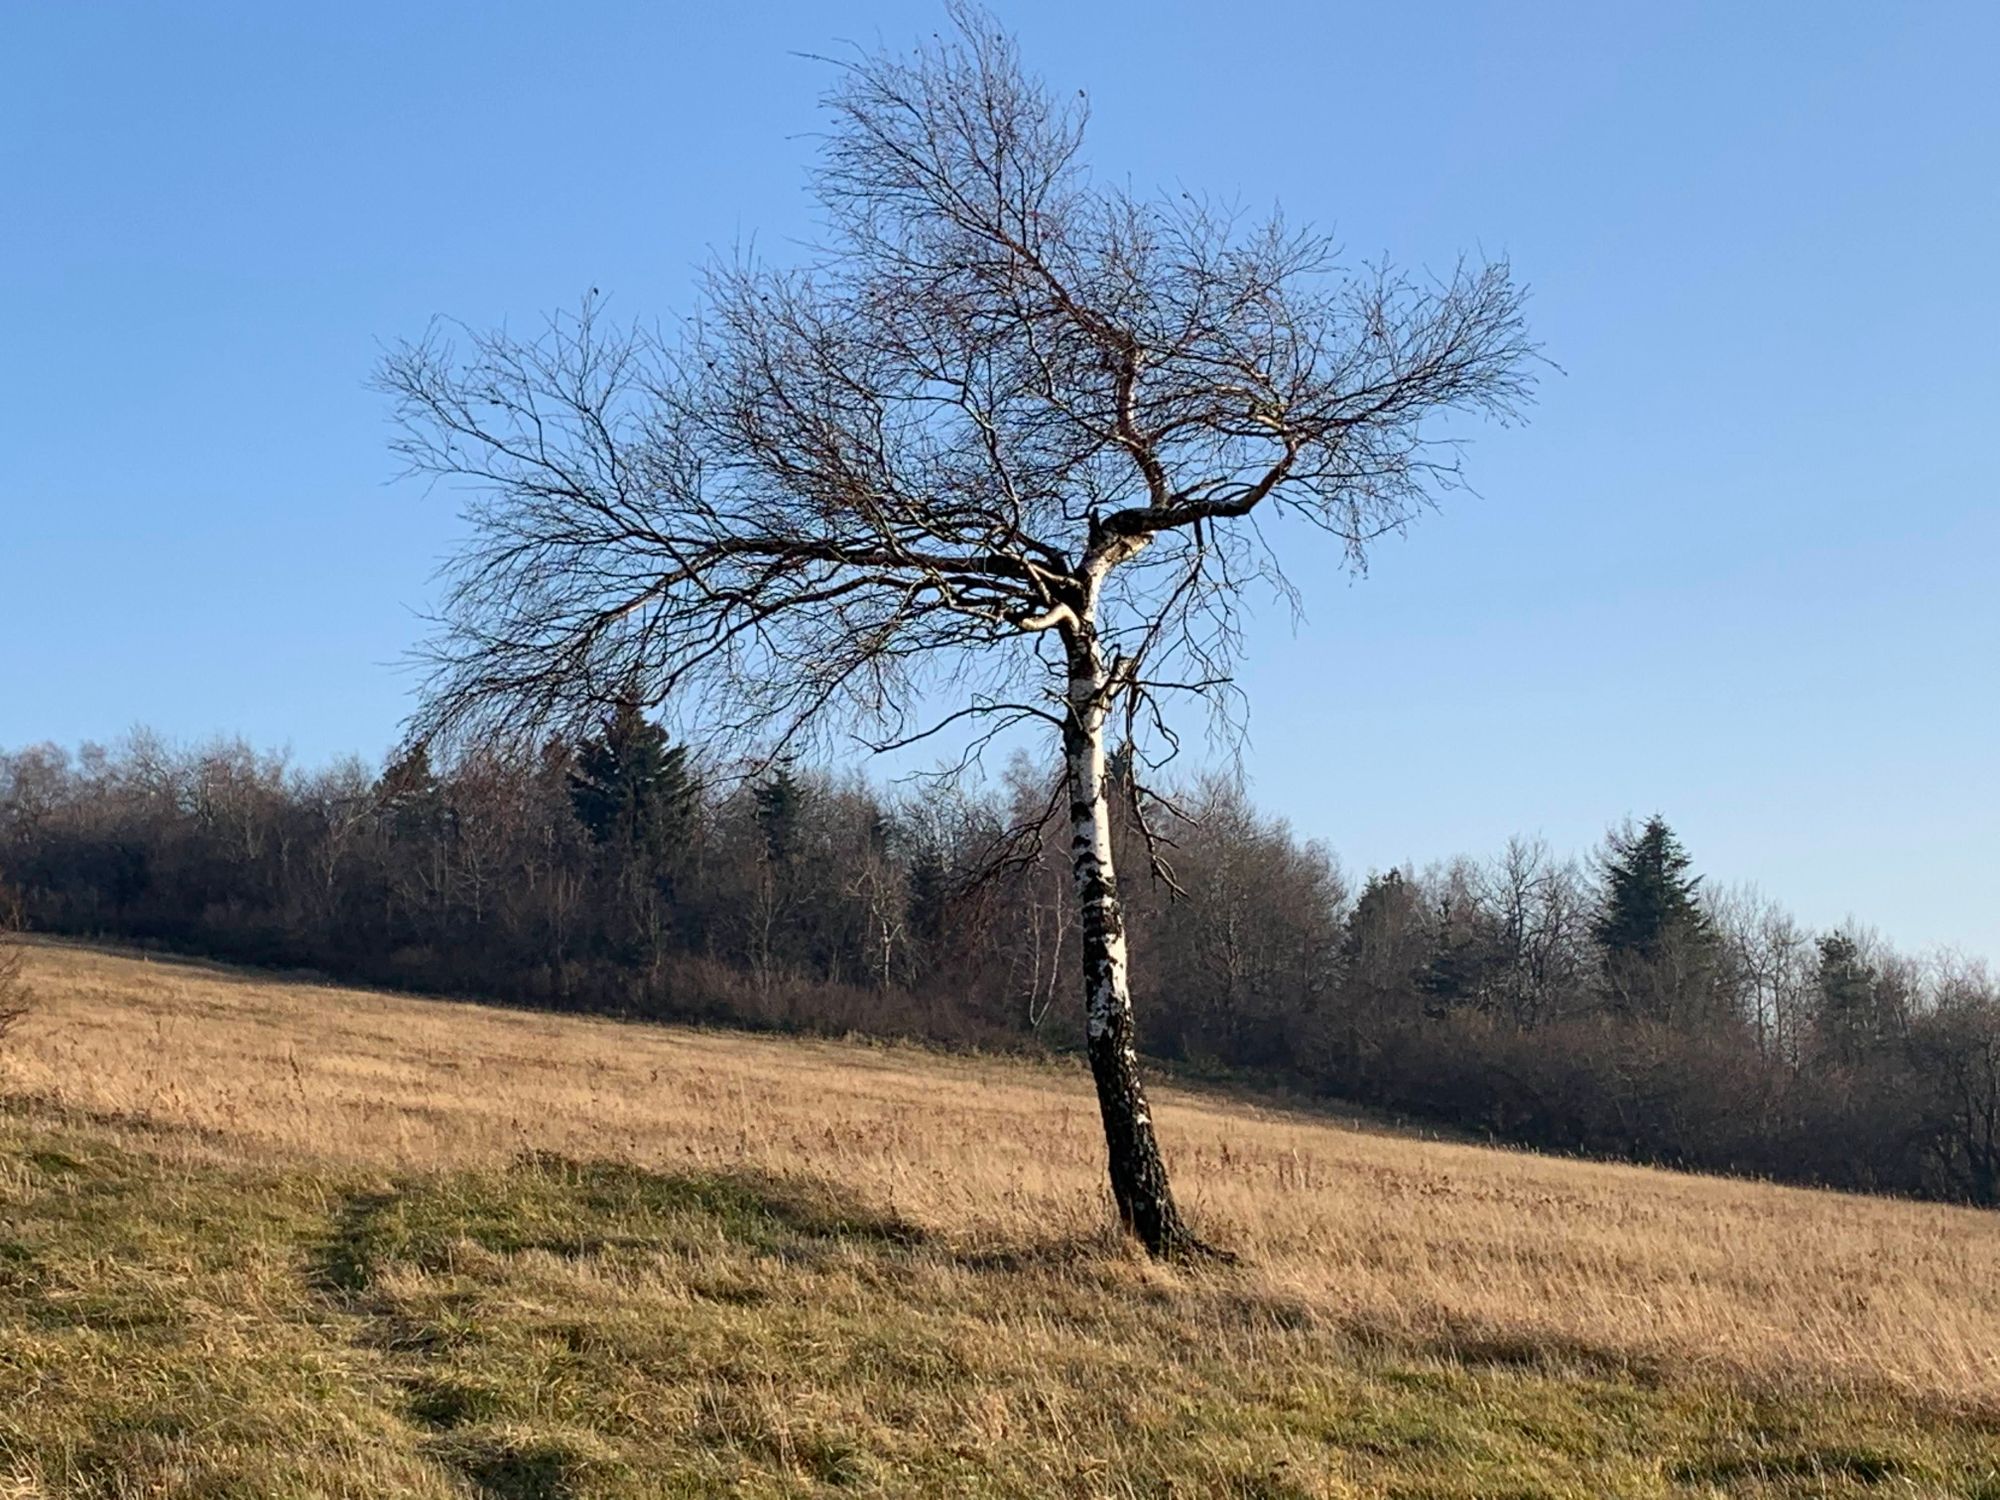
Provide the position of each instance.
(1007, 440)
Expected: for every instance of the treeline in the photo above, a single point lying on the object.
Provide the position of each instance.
(1617, 1008)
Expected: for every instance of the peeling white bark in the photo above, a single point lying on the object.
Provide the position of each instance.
(1108, 992)
(1138, 1175)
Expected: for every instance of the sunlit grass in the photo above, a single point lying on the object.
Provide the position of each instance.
(260, 1238)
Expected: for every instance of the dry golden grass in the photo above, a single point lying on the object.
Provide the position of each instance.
(1409, 1243)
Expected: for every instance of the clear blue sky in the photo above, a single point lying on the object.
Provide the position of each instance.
(1743, 568)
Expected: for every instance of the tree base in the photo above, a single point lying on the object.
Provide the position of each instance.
(1166, 1237)
(1188, 1249)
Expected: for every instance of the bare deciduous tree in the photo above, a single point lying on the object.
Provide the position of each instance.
(1011, 435)
(1544, 915)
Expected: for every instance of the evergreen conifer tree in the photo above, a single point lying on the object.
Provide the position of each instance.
(634, 792)
(409, 792)
(1658, 945)
(1385, 953)
(1845, 987)
(928, 885)
(1649, 895)
(778, 801)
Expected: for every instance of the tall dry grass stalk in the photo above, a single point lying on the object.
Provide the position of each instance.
(1387, 1236)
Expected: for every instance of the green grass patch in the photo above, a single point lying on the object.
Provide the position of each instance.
(578, 1329)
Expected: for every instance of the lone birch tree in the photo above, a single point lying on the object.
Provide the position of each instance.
(1003, 450)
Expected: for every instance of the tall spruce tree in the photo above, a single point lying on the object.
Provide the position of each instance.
(778, 799)
(1649, 895)
(929, 887)
(1385, 954)
(1658, 946)
(409, 794)
(1846, 988)
(634, 793)
(1468, 960)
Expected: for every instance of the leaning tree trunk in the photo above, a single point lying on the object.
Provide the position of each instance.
(1138, 1174)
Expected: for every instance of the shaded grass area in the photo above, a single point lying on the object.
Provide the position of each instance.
(557, 1328)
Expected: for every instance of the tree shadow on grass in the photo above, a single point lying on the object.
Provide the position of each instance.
(1854, 1465)
(344, 1263)
(1067, 1253)
(437, 1339)
(576, 1209)
(518, 1468)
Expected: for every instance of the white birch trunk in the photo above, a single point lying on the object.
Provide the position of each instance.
(1138, 1174)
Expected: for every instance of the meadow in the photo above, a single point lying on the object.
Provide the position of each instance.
(263, 1236)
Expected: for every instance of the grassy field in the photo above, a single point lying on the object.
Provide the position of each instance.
(262, 1238)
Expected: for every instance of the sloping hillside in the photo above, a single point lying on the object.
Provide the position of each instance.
(268, 1238)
